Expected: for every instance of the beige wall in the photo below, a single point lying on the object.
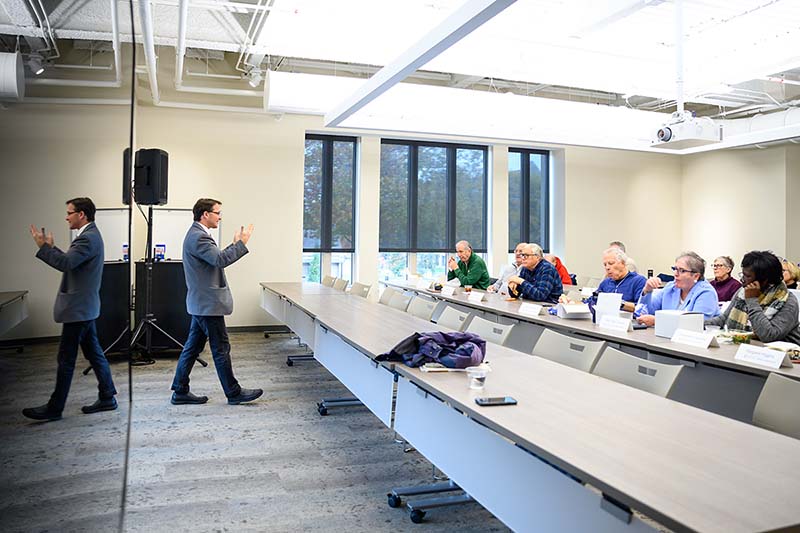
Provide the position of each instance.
(792, 202)
(612, 195)
(734, 202)
(254, 164)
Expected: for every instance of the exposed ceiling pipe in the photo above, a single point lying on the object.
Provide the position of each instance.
(183, 14)
(115, 41)
(679, 54)
(78, 101)
(149, 47)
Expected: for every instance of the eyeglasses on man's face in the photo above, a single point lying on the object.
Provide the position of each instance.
(70, 213)
(218, 213)
(681, 271)
(525, 256)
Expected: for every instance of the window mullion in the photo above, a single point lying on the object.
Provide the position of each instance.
(450, 238)
(413, 188)
(327, 195)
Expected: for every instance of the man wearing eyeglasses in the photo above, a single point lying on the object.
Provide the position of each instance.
(538, 280)
(208, 300)
(77, 306)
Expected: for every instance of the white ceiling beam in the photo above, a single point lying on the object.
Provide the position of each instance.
(454, 28)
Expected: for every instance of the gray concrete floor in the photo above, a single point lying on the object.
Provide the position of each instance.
(273, 465)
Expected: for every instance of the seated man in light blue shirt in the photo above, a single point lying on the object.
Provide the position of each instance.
(501, 285)
(689, 292)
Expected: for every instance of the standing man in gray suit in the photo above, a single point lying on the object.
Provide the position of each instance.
(77, 306)
(208, 300)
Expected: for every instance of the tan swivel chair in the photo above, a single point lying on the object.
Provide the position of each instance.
(633, 371)
(359, 289)
(490, 331)
(777, 406)
(577, 353)
(400, 301)
(386, 295)
(328, 281)
(452, 318)
(340, 284)
(422, 308)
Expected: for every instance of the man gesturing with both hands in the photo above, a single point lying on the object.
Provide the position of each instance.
(208, 300)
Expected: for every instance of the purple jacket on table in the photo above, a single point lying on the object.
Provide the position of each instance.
(542, 284)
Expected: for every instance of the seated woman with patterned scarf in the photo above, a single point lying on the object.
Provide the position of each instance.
(763, 305)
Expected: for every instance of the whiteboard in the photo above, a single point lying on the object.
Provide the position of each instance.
(113, 226)
(170, 227)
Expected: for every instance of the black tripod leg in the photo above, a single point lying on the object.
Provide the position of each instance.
(173, 339)
(119, 338)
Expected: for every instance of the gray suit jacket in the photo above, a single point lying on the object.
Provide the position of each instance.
(203, 263)
(78, 297)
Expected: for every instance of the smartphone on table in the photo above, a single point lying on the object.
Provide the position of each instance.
(499, 400)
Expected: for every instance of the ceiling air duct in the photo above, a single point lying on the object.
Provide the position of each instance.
(12, 77)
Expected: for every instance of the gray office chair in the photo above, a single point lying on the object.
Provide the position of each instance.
(580, 281)
(777, 406)
(387, 294)
(490, 331)
(359, 289)
(452, 318)
(328, 281)
(593, 282)
(422, 308)
(340, 284)
(642, 374)
(575, 296)
(400, 301)
(577, 353)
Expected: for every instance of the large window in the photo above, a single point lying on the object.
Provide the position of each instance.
(329, 198)
(528, 197)
(329, 207)
(432, 196)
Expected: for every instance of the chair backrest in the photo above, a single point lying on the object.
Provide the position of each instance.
(593, 282)
(577, 353)
(359, 289)
(422, 308)
(452, 318)
(328, 281)
(633, 371)
(340, 284)
(386, 295)
(575, 296)
(581, 281)
(777, 406)
(400, 301)
(490, 331)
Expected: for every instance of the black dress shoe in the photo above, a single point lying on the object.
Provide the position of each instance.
(108, 404)
(42, 412)
(244, 396)
(187, 397)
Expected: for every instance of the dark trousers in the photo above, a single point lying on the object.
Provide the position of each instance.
(84, 334)
(211, 328)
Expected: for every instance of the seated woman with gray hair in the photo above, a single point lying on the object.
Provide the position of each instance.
(764, 305)
(689, 292)
(725, 284)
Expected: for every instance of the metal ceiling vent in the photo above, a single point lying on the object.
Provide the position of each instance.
(12, 76)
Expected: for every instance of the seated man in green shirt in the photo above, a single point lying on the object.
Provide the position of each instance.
(470, 268)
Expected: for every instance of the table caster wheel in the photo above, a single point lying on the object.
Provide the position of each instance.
(394, 501)
(289, 362)
(323, 411)
(417, 516)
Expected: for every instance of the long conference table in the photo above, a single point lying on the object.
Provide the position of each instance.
(686, 468)
(13, 309)
(712, 379)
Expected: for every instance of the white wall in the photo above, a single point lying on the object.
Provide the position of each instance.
(612, 195)
(733, 202)
(657, 204)
(793, 202)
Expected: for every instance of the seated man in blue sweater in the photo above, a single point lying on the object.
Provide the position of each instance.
(538, 280)
(619, 279)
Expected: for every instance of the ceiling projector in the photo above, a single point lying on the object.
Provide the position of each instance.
(685, 130)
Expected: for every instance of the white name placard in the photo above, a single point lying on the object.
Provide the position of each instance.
(615, 323)
(694, 338)
(475, 297)
(530, 309)
(423, 284)
(763, 356)
(448, 290)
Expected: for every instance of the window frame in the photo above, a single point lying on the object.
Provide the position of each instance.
(525, 188)
(450, 199)
(326, 214)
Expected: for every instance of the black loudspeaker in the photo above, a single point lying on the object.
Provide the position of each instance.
(150, 172)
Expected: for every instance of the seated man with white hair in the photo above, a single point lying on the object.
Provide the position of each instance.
(469, 269)
(501, 285)
(620, 280)
(538, 279)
